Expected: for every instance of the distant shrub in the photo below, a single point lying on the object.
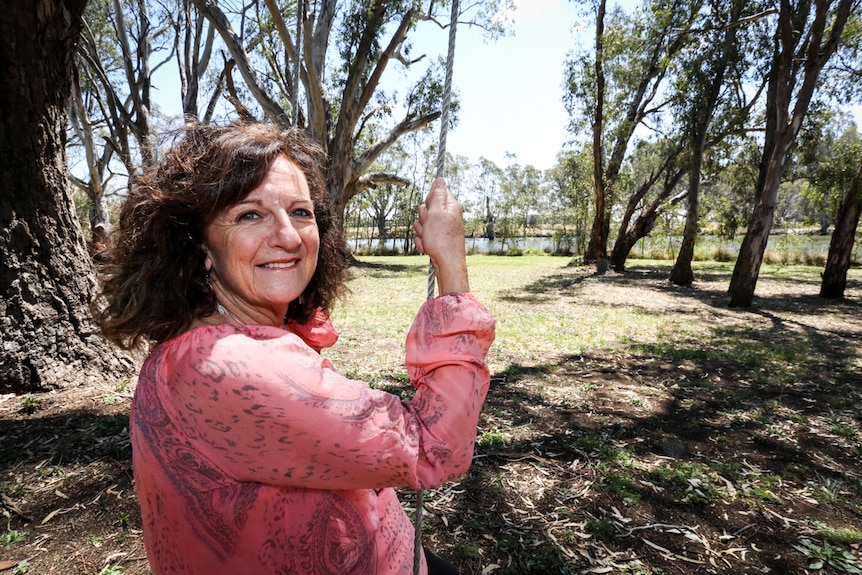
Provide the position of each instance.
(723, 255)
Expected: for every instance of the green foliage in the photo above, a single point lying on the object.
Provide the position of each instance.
(841, 536)
(12, 537)
(603, 529)
(29, 404)
(693, 478)
(824, 555)
(494, 439)
(623, 487)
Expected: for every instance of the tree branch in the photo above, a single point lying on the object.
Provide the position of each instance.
(234, 44)
(374, 179)
(406, 126)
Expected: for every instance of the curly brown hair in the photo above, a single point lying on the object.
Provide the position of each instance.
(155, 284)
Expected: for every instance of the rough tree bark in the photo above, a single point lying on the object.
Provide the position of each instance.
(46, 277)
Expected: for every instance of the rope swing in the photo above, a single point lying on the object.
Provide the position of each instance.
(441, 164)
(444, 116)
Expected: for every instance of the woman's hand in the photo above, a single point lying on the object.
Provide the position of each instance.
(440, 235)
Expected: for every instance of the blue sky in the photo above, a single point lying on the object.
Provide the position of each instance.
(511, 89)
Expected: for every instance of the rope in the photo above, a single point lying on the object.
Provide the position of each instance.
(444, 116)
(441, 164)
(294, 100)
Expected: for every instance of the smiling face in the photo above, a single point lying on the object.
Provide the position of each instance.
(262, 251)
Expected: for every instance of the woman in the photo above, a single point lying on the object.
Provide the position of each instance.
(250, 453)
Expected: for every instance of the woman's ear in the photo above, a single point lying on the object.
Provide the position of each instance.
(208, 259)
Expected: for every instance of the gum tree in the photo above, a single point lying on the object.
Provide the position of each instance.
(807, 34)
(839, 173)
(46, 278)
(614, 89)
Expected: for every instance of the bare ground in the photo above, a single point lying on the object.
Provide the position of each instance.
(734, 450)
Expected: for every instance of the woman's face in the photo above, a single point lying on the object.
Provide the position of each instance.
(262, 251)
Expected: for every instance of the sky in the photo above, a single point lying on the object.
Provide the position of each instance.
(510, 89)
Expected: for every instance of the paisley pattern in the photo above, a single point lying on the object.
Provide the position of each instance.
(252, 455)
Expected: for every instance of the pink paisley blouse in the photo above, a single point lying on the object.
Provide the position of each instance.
(252, 455)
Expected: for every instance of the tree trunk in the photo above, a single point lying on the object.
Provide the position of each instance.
(597, 250)
(821, 40)
(682, 274)
(841, 246)
(624, 245)
(47, 279)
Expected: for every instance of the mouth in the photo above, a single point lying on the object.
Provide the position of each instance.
(279, 265)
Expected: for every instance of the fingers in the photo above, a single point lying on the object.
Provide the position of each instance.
(417, 227)
(440, 225)
(440, 197)
(440, 235)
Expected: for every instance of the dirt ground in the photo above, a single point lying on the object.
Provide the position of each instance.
(737, 452)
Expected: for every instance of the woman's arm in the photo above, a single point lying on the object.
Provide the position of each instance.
(272, 410)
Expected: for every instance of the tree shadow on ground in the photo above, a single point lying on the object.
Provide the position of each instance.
(76, 437)
(591, 455)
(710, 289)
(384, 269)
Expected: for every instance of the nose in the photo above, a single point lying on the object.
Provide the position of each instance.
(285, 234)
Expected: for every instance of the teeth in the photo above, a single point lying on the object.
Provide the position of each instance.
(279, 265)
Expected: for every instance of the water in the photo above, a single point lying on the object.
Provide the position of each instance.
(476, 245)
(813, 245)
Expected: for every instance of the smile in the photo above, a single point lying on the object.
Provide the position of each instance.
(280, 265)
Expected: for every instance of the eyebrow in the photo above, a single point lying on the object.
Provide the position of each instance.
(294, 200)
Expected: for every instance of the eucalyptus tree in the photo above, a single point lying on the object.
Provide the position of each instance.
(47, 279)
(656, 171)
(489, 185)
(340, 59)
(121, 46)
(569, 184)
(521, 196)
(839, 174)
(711, 76)
(806, 35)
(616, 87)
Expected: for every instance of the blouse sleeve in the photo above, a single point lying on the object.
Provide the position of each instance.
(272, 410)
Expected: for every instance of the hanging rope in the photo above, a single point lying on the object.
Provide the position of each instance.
(294, 98)
(441, 164)
(444, 116)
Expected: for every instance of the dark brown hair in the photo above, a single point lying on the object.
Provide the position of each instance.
(155, 283)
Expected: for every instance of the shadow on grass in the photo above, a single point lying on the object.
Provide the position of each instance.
(382, 270)
(78, 438)
(703, 427)
(567, 286)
